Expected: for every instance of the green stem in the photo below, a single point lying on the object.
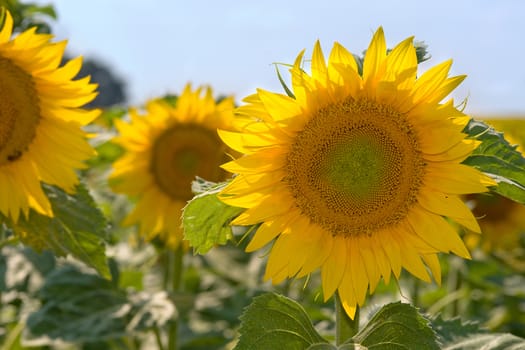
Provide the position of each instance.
(345, 327)
(454, 283)
(415, 291)
(12, 337)
(158, 338)
(175, 267)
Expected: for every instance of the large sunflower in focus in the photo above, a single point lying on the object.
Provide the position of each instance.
(165, 149)
(40, 124)
(359, 174)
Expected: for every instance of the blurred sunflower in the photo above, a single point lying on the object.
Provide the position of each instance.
(356, 174)
(40, 123)
(501, 219)
(165, 149)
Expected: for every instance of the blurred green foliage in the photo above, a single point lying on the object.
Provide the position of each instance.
(27, 15)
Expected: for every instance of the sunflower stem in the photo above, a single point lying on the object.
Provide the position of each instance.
(173, 284)
(158, 338)
(345, 327)
(454, 283)
(415, 291)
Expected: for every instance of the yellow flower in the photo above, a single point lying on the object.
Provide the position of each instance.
(513, 128)
(501, 219)
(40, 123)
(166, 148)
(358, 174)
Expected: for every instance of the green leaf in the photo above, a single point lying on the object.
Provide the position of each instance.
(206, 219)
(496, 157)
(451, 330)
(455, 335)
(107, 153)
(32, 9)
(109, 115)
(273, 321)
(78, 228)
(77, 306)
(281, 80)
(397, 326)
(421, 51)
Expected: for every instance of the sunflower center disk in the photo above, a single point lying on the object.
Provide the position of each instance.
(355, 167)
(182, 152)
(19, 111)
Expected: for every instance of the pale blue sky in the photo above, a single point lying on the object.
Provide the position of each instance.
(159, 45)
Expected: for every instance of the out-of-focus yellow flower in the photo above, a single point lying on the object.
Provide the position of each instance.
(166, 148)
(502, 220)
(41, 139)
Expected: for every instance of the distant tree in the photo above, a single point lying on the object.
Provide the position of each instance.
(111, 88)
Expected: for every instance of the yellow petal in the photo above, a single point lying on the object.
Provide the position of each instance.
(450, 206)
(436, 232)
(279, 106)
(427, 84)
(432, 262)
(334, 267)
(357, 270)
(457, 153)
(268, 231)
(402, 59)
(456, 179)
(374, 63)
(320, 249)
(7, 29)
(319, 71)
(410, 259)
(262, 161)
(278, 203)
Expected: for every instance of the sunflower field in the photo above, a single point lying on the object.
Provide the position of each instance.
(359, 207)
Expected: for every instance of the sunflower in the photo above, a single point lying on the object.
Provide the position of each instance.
(358, 174)
(40, 123)
(501, 219)
(166, 148)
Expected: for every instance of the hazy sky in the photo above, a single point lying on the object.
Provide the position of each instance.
(159, 45)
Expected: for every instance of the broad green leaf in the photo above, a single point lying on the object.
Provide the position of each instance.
(78, 228)
(397, 326)
(496, 157)
(77, 306)
(273, 321)
(206, 219)
(455, 335)
(451, 330)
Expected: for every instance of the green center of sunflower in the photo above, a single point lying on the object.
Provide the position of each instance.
(182, 152)
(355, 167)
(360, 160)
(19, 111)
